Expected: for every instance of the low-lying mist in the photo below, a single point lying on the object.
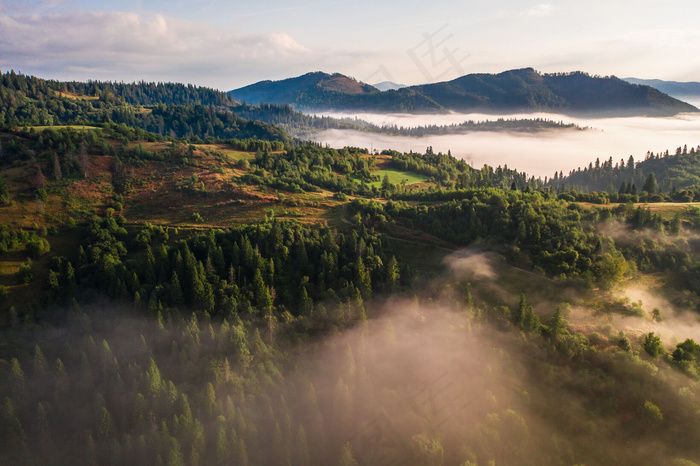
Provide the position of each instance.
(538, 154)
(434, 379)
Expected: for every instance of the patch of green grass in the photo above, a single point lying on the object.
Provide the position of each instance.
(396, 177)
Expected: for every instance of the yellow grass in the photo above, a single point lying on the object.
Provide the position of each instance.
(72, 95)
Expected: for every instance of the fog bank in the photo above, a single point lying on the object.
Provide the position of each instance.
(539, 154)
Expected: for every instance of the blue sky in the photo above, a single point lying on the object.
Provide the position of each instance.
(228, 44)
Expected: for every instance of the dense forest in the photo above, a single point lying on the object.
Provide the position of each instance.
(176, 111)
(182, 285)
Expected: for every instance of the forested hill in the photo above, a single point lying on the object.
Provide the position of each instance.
(173, 110)
(141, 93)
(672, 173)
(526, 89)
(510, 91)
(333, 91)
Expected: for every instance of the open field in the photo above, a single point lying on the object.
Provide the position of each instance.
(395, 177)
(398, 177)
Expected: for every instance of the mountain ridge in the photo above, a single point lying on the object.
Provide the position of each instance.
(675, 89)
(520, 90)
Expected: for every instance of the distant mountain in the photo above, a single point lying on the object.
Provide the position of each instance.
(522, 90)
(672, 88)
(389, 86)
(526, 89)
(308, 88)
(322, 91)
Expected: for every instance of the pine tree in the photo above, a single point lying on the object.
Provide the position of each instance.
(105, 425)
(223, 451)
(301, 457)
(11, 426)
(392, 273)
(363, 279)
(556, 322)
(176, 296)
(17, 383)
(346, 456)
(39, 365)
(263, 300)
(306, 304)
(650, 185)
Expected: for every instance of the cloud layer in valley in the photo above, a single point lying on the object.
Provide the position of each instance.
(538, 154)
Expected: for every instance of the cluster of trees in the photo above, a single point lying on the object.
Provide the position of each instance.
(148, 93)
(194, 120)
(528, 125)
(308, 167)
(141, 93)
(671, 172)
(302, 125)
(555, 236)
(282, 270)
(450, 173)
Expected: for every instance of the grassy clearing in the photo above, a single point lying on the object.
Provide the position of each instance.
(73, 95)
(398, 177)
(60, 127)
(395, 177)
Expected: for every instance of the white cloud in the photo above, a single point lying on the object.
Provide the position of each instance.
(538, 11)
(119, 45)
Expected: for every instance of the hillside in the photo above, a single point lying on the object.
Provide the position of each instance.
(675, 175)
(521, 90)
(190, 111)
(183, 295)
(306, 89)
(679, 90)
(526, 89)
(325, 91)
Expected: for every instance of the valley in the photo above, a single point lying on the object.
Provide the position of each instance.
(182, 281)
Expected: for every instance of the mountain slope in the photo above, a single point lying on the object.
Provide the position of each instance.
(672, 88)
(511, 91)
(527, 89)
(389, 86)
(308, 87)
(322, 91)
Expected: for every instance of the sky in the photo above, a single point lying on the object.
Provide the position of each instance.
(229, 44)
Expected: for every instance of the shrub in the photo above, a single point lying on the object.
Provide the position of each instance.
(25, 272)
(37, 247)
